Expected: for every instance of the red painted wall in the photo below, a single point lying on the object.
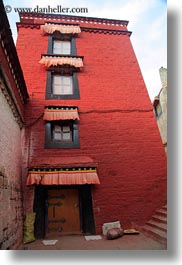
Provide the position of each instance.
(125, 143)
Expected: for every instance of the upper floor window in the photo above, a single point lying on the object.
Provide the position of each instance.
(61, 47)
(60, 44)
(62, 134)
(62, 85)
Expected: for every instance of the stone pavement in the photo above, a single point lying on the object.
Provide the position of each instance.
(78, 242)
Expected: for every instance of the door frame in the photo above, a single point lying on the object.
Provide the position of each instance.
(87, 223)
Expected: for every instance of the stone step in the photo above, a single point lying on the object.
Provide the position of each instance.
(164, 207)
(161, 212)
(157, 225)
(159, 219)
(155, 233)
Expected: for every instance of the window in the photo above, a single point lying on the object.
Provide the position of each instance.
(62, 134)
(59, 86)
(158, 110)
(62, 85)
(61, 47)
(57, 44)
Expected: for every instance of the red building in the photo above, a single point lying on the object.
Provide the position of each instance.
(92, 149)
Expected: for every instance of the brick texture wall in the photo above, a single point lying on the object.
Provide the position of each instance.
(120, 134)
(10, 179)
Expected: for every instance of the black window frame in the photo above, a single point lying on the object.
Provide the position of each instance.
(57, 144)
(49, 88)
(62, 37)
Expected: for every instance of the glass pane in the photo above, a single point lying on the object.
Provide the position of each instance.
(57, 128)
(62, 85)
(66, 128)
(66, 47)
(57, 47)
(57, 44)
(67, 90)
(57, 136)
(67, 80)
(67, 136)
(57, 90)
(57, 51)
(57, 80)
(61, 47)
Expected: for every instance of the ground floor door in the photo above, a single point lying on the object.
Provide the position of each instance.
(63, 211)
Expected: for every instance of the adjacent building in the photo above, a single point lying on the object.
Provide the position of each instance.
(13, 97)
(160, 107)
(92, 151)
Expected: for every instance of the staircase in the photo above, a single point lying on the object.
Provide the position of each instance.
(156, 227)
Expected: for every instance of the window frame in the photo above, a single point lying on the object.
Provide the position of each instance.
(49, 87)
(62, 37)
(57, 144)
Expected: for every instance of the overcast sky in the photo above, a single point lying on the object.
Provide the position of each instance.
(147, 21)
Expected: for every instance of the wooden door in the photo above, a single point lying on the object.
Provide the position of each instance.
(63, 211)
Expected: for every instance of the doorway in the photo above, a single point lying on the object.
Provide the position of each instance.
(63, 210)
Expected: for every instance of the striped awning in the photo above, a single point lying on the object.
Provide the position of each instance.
(62, 176)
(48, 61)
(49, 28)
(60, 113)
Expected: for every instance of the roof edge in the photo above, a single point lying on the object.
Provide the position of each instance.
(84, 18)
(9, 46)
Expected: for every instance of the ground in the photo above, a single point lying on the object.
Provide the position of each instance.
(78, 242)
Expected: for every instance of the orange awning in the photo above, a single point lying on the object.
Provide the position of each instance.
(63, 177)
(53, 114)
(64, 29)
(54, 61)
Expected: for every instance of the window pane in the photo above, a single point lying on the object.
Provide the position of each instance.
(68, 85)
(57, 136)
(62, 85)
(66, 128)
(67, 80)
(57, 80)
(56, 90)
(57, 47)
(57, 44)
(66, 47)
(57, 128)
(57, 132)
(61, 47)
(67, 136)
(67, 90)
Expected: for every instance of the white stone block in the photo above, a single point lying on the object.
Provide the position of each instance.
(107, 226)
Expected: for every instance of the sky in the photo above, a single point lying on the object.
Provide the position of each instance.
(147, 21)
